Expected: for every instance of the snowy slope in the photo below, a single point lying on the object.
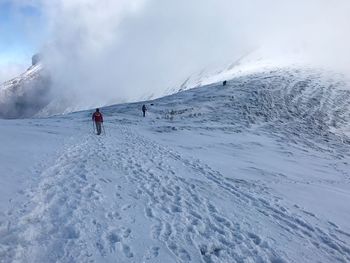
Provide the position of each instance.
(257, 171)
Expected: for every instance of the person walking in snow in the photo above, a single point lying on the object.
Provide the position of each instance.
(144, 109)
(98, 119)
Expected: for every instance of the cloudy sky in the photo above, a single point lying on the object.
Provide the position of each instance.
(21, 34)
(104, 51)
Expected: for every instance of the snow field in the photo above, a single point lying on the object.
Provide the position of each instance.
(211, 175)
(128, 197)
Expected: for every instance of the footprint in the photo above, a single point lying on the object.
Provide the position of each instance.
(113, 215)
(148, 212)
(113, 238)
(103, 180)
(153, 253)
(205, 251)
(184, 255)
(101, 249)
(196, 215)
(156, 231)
(180, 252)
(166, 232)
(211, 208)
(175, 209)
(126, 207)
(256, 239)
(69, 232)
(118, 196)
(222, 220)
(127, 233)
(127, 251)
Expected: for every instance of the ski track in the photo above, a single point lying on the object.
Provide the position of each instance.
(83, 212)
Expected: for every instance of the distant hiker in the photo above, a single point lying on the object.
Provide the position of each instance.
(144, 109)
(98, 119)
(224, 83)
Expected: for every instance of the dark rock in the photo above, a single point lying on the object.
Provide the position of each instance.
(36, 59)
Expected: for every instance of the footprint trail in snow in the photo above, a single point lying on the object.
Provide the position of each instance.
(126, 198)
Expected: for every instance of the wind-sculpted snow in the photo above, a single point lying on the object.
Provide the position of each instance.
(302, 105)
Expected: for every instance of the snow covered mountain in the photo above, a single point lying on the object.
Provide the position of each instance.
(254, 171)
(33, 94)
(24, 96)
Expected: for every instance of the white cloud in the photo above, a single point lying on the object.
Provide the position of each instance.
(105, 51)
(10, 70)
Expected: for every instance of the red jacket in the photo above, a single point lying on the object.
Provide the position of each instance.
(97, 117)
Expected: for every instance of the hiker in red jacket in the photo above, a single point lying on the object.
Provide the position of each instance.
(98, 119)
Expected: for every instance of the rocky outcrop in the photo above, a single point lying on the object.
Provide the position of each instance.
(36, 59)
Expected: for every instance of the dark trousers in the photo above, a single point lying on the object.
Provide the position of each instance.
(144, 113)
(98, 127)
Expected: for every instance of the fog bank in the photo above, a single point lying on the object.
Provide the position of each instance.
(105, 51)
